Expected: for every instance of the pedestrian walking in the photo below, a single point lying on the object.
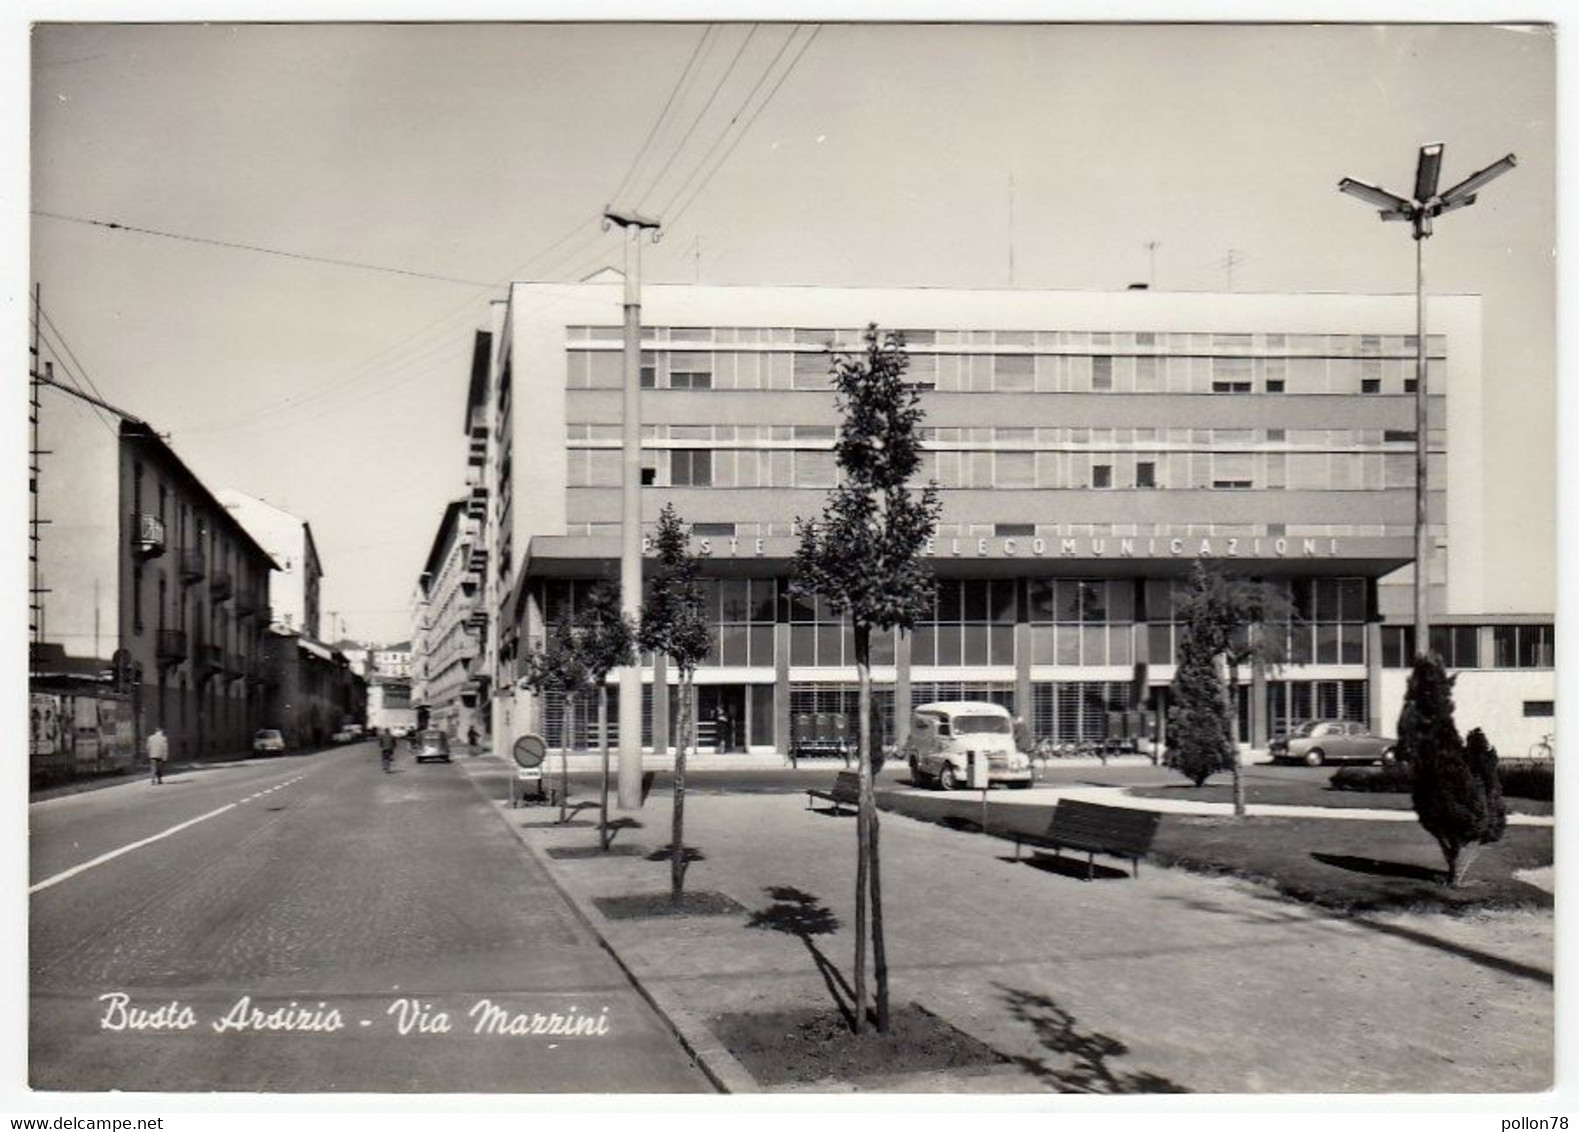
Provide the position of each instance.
(471, 738)
(386, 748)
(158, 752)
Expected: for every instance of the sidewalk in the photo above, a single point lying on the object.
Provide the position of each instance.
(1171, 981)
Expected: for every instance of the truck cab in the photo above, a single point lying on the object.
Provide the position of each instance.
(945, 736)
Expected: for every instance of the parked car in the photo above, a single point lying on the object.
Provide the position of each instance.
(432, 744)
(944, 736)
(268, 739)
(346, 735)
(1322, 741)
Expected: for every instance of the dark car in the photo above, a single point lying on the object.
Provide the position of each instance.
(432, 744)
(1322, 741)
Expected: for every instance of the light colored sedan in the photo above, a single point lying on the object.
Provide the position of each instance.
(1322, 741)
(268, 740)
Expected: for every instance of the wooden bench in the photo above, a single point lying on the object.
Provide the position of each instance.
(1091, 829)
(846, 792)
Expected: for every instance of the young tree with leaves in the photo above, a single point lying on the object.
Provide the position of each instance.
(672, 623)
(605, 637)
(864, 556)
(559, 665)
(1457, 794)
(1228, 618)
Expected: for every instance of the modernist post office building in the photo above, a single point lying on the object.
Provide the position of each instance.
(1089, 447)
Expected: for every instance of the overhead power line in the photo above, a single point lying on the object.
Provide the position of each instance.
(73, 383)
(662, 114)
(116, 226)
(700, 114)
(744, 130)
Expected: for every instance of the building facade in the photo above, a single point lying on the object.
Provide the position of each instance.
(448, 649)
(194, 604)
(1089, 447)
(312, 689)
(295, 585)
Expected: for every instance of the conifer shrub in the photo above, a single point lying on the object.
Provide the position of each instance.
(1456, 793)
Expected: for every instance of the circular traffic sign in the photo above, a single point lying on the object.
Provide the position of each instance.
(529, 751)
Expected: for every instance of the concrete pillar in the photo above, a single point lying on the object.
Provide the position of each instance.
(660, 704)
(1259, 713)
(904, 698)
(781, 685)
(1373, 677)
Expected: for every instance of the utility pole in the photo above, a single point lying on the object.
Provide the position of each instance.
(36, 591)
(630, 505)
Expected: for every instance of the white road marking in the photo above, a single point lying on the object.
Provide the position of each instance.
(114, 853)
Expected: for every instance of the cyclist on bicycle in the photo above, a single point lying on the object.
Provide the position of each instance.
(386, 748)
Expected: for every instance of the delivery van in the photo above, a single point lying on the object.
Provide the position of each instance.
(945, 736)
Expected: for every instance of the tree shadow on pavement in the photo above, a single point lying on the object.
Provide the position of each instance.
(1413, 935)
(615, 826)
(689, 855)
(1088, 1053)
(803, 916)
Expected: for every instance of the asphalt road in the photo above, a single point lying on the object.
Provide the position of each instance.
(311, 924)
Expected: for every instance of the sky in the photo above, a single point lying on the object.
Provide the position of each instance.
(945, 155)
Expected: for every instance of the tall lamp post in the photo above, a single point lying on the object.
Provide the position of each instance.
(1420, 211)
(629, 789)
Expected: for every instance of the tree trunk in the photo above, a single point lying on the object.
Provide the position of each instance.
(865, 815)
(868, 747)
(567, 733)
(603, 737)
(677, 828)
(1233, 739)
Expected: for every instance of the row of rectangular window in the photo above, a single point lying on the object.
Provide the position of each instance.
(1335, 439)
(1198, 471)
(1459, 646)
(752, 530)
(1014, 373)
(1339, 345)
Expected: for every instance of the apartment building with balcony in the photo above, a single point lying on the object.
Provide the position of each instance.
(1089, 447)
(448, 688)
(193, 603)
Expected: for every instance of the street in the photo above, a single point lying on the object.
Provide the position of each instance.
(311, 924)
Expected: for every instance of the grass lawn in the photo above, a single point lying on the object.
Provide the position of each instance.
(1313, 792)
(1346, 865)
(1356, 865)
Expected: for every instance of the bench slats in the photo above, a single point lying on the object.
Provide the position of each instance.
(1091, 828)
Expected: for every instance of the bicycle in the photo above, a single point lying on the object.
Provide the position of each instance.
(1544, 748)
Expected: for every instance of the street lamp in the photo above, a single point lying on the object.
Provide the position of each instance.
(1426, 205)
(629, 790)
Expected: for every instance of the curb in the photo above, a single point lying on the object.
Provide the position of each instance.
(720, 1067)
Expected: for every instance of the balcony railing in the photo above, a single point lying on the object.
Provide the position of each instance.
(209, 658)
(171, 646)
(478, 560)
(477, 503)
(150, 542)
(221, 587)
(469, 583)
(247, 603)
(192, 566)
(477, 453)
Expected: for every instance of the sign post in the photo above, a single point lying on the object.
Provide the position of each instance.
(529, 752)
(977, 778)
